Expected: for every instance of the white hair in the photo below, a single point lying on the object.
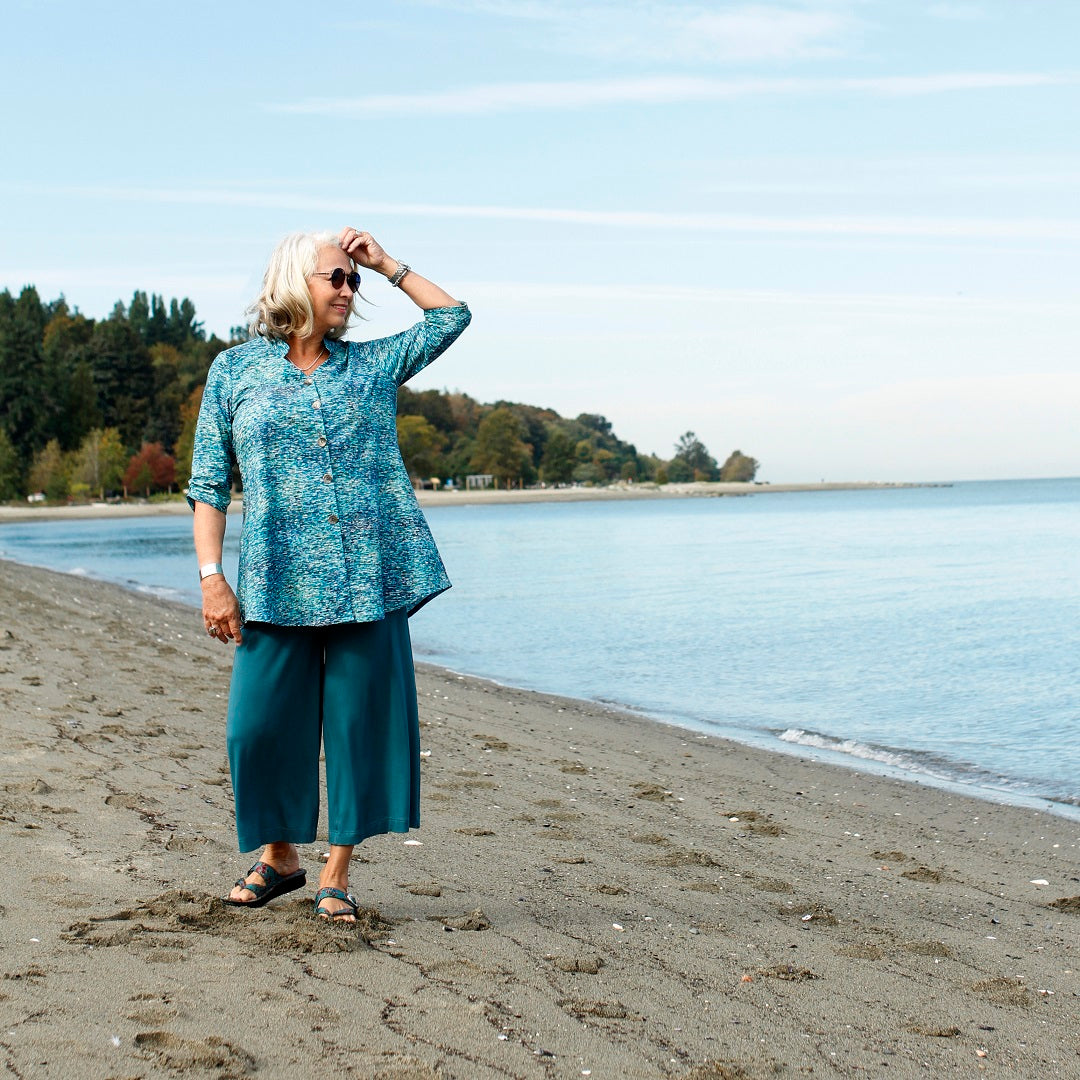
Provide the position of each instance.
(283, 307)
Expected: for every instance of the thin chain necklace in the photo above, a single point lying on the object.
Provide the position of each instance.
(312, 365)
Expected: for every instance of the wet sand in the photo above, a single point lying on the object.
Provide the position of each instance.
(593, 893)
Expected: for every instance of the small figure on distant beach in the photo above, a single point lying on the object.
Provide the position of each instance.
(335, 555)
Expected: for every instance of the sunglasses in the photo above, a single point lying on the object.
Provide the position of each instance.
(338, 277)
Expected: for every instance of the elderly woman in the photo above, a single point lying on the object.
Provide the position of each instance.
(335, 555)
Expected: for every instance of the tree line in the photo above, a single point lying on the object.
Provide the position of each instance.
(95, 408)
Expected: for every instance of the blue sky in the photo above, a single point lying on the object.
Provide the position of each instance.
(840, 235)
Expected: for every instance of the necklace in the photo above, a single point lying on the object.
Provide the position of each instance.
(313, 363)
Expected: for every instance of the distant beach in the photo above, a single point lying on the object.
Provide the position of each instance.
(593, 893)
(472, 497)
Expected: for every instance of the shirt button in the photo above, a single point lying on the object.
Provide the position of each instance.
(327, 478)
(308, 382)
(332, 519)
(322, 440)
(316, 405)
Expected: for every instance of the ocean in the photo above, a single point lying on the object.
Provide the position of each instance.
(930, 633)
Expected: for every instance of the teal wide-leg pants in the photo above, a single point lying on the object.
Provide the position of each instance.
(353, 686)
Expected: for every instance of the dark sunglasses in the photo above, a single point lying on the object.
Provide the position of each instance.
(338, 277)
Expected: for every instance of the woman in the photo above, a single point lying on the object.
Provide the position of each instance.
(335, 555)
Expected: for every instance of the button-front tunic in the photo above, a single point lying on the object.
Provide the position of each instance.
(332, 529)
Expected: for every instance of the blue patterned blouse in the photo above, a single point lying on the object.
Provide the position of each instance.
(332, 530)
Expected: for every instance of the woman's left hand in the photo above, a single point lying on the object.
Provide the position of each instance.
(362, 248)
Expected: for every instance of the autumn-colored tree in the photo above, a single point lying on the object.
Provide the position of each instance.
(49, 471)
(185, 442)
(739, 467)
(150, 468)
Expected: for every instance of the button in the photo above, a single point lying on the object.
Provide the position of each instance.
(308, 382)
(332, 519)
(322, 440)
(327, 479)
(316, 404)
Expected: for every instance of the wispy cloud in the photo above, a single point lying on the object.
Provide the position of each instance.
(835, 225)
(656, 90)
(650, 30)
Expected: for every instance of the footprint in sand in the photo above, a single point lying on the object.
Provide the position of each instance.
(585, 964)
(186, 1055)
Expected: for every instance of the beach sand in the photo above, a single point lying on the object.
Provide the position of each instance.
(593, 893)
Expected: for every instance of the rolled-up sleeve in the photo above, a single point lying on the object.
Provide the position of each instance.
(212, 459)
(403, 355)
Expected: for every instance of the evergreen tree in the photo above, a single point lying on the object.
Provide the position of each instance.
(24, 408)
(690, 450)
(10, 470)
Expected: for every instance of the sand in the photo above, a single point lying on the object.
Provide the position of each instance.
(593, 893)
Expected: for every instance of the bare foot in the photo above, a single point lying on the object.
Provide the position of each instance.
(284, 858)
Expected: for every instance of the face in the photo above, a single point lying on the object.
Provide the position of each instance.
(331, 306)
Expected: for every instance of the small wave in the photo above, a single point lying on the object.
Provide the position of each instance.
(897, 759)
(163, 592)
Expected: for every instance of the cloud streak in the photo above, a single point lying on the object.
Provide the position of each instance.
(507, 97)
(682, 32)
(1059, 229)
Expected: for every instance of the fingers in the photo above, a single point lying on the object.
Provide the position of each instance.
(225, 626)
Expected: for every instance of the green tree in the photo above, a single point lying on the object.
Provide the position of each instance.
(557, 464)
(24, 406)
(124, 376)
(691, 451)
(49, 472)
(100, 462)
(420, 445)
(500, 449)
(10, 471)
(739, 468)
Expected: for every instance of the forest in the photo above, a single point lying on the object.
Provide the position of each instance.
(98, 408)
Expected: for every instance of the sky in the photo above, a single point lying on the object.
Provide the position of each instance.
(842, 236)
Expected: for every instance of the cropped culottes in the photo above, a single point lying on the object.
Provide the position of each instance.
(350, 687)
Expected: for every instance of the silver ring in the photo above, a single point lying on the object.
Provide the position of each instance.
(212, 631)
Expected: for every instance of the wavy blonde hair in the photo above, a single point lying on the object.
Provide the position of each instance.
(283, 306)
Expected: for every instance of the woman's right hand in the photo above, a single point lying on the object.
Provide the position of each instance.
(221, 610)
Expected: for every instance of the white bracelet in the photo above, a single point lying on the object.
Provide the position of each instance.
(210, 569)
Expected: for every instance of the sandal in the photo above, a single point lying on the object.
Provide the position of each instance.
(337, 894)
(275, 884)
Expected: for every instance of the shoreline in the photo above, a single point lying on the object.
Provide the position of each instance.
(592, 891)
(764, 740)
(487, 496)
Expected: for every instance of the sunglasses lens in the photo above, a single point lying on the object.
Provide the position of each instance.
(354, 281)
(337, 278)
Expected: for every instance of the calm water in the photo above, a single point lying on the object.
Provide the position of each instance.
(929, 632)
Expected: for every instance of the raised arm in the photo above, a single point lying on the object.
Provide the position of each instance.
(365, 250)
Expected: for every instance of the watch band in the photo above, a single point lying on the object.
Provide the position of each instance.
(399, 273)
(210, 569)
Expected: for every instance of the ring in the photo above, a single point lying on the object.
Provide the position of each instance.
(212, 631)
